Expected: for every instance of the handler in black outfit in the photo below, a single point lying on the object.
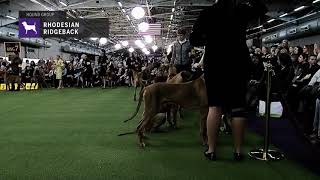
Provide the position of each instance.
(226, 88)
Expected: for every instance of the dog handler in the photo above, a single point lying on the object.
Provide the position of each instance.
(226, 80)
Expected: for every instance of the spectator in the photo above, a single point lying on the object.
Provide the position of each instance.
(285, 44)
(181, 50)
(305, 50)
(59, 66)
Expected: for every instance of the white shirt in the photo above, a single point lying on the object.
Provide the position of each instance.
(315, 78)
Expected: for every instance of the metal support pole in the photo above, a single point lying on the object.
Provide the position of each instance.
(266, 154)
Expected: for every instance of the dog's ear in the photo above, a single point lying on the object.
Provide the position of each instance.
(186, 76)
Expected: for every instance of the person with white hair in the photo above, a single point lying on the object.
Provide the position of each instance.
(59, 66)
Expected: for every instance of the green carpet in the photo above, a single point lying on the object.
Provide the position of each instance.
(72, 134)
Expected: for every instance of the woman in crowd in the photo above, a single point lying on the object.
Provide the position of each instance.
(59, 66)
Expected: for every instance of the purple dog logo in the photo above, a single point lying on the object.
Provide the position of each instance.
(29, 27)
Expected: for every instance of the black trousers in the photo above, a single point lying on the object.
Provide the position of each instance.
(182, 68)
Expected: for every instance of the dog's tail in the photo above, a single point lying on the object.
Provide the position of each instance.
(123, 134)
(138, 106)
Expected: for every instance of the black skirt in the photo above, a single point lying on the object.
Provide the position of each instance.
(225, 90)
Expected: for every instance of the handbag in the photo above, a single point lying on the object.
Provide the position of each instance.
(276, 109)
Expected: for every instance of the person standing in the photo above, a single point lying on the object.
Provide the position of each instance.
(226, 80)
(59, 66)
(181, 50)
(15, 66)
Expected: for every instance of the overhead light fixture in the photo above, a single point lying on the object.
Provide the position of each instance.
(315, 1)
(144, 49)
(147, 52)
(271, 20)
(139, 44)
(117, 46)
(174, 9)
(128, 17)
(260, 26)
(171, 17)
(10, 17)
(138, 12)
(81, 17)
(285, 14)
(64, 4)
(74, 10)
(93, 38)
(123, 10)
(299, 8)
(120, 4)
(148, 39)
(154, 47)
(125, 43)
(143, 27)
(37, 2)
(131, 50)
(103, 41)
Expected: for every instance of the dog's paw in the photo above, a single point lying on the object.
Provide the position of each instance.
(142, 145)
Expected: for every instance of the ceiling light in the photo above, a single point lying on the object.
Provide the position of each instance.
(120, 4)
(147, 52)
(10, 17)
(81, 17)
(128, 17)
(154, 47)
(171, 17)
(103, 41)
(285, 14)
(93, 38)
(271, 20)
(131, 50)
(117, 46)
(123, 10)
(148, 39)
(125, 43)
(143, 27)
(300, 8)
(173, 8)
(144, 49)
(64, 4)
(138, 12)
(316, 1)
(35, 1)
(74, 10)
(137, 42)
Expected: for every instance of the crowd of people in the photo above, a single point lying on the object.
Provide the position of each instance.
(296, 75)
(83, 72)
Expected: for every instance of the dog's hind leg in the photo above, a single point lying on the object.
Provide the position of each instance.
(174, 111)
(135, 93)
(140, 131)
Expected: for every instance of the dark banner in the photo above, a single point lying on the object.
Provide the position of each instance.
(35, 24)
(11, 47)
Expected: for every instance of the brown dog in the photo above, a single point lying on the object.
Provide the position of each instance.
(137, 81)
(158, 96)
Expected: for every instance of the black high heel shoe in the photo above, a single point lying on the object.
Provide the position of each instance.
(211, 156)
(238, 156)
